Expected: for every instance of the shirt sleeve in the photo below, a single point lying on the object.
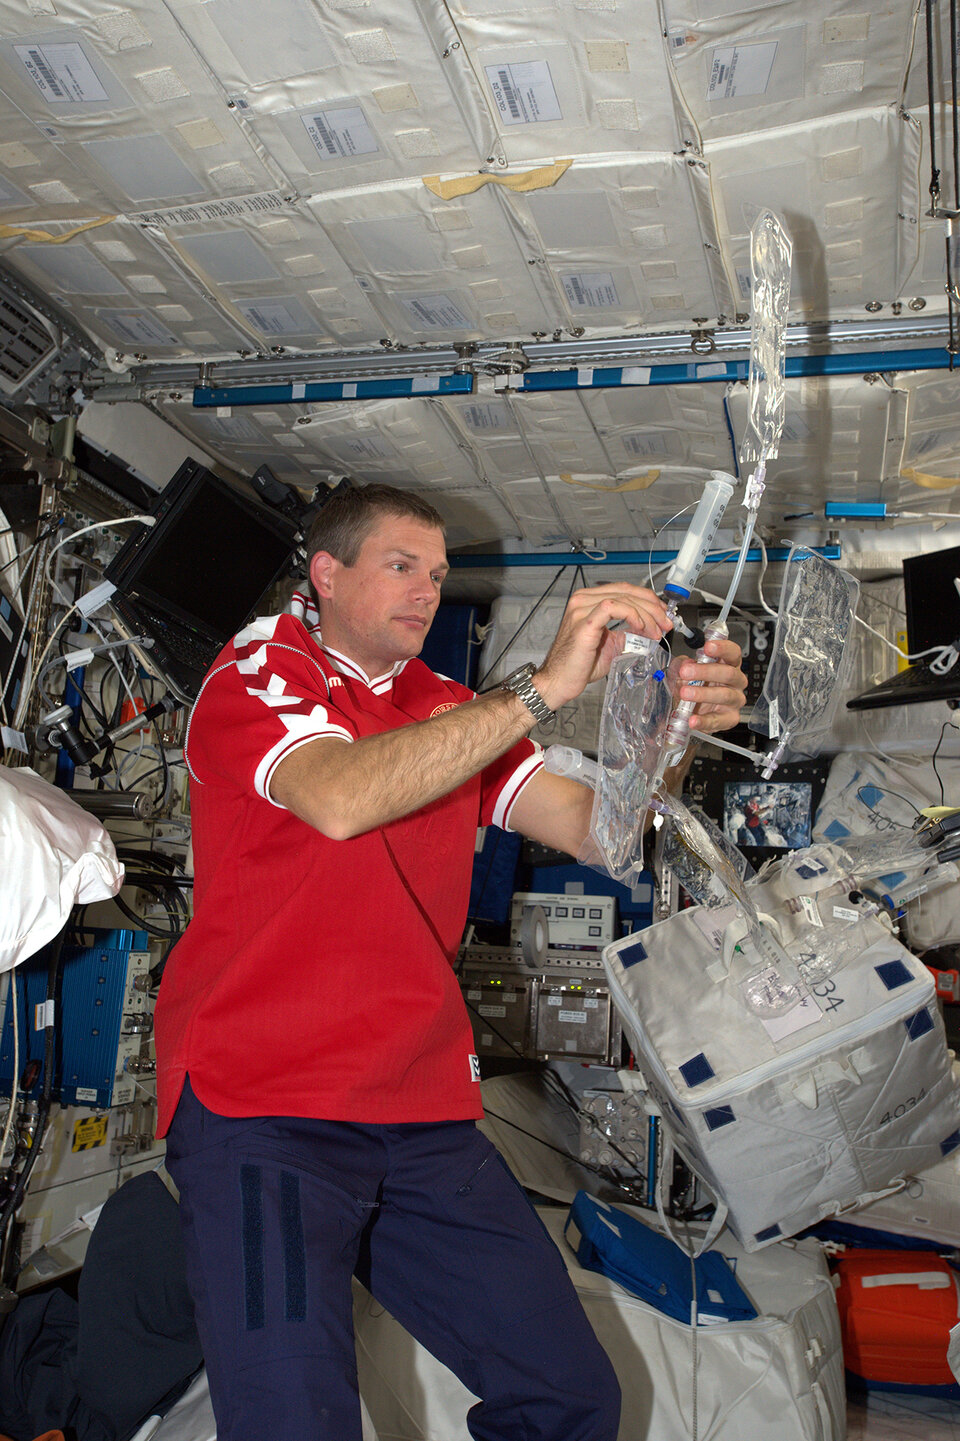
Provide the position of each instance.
(505, 779)
(257, 707)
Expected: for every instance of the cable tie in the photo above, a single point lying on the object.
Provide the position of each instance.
(95, 599)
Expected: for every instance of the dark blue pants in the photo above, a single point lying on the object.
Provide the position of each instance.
(279, 1213)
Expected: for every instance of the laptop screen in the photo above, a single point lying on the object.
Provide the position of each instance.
(209, 557)
(931, 598)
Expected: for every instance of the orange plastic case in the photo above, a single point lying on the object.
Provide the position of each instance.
(896, 1311)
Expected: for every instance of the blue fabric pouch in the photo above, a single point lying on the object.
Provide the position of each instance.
(652, 1266)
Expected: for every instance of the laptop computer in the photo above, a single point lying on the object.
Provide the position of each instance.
(187, 584)
(932, 603)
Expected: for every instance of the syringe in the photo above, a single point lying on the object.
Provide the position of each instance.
(698, 540)
(680, 582)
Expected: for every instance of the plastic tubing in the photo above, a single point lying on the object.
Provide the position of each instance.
(738, 573)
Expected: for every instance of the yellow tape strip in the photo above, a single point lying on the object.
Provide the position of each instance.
(8, 232)
(538, 179)
(638, 482)
(929, 482)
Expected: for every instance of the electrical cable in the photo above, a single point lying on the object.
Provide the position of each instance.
(942, 652)
(86, 529)
(874, 812)
(28, 613)
(525, 622)
(733, 439)
(173, 933)
(24, 557)
(601, 1171)
(658, 532)
(64, 657)
(936, 752)
(54, 951)
(931, 118)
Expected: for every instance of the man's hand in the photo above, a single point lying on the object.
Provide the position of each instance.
(721, 696)
(556, 810)
(584, 647)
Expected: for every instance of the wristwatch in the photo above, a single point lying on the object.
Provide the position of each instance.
(519, 682)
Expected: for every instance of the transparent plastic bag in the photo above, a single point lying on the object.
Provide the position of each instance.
(636, 709)
(770, 255)
(811, 656)
(712, 870)
(880, 864)
(821, 951)
(719, 878)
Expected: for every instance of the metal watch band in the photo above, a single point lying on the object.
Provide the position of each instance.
(519, 682)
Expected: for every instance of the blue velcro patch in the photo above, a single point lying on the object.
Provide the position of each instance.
(251, 1227)
(294, 1250)
(835, 831)
(893, 974)
(630, 955)
(870, 795)
(950, 1144)
(697, 1070)
(718, 1116)
(919, 1024)
(768, 1234)
(892, 880)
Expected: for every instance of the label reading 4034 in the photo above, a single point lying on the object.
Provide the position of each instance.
(903, 1108)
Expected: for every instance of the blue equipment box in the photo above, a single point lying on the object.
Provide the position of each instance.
(105, 1011)
(451, 647)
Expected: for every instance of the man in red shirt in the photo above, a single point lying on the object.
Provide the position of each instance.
(316, 1063)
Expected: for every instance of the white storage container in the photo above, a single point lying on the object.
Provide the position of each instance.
(796, 1117)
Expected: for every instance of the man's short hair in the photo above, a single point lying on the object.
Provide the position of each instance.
(348, 517)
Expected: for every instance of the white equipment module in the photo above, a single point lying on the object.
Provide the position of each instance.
(573, 922)
(792, 1118)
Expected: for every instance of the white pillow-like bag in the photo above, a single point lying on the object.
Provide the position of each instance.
(53, 856)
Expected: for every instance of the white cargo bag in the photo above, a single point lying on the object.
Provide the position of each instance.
(779, 1376)
(797, 1117)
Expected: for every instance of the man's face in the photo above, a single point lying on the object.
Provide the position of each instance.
(378, 611)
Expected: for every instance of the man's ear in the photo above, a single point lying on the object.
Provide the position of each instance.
(323, 567)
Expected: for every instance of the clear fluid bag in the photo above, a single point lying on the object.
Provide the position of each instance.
(636, 709)
(770, 255)
(821, 951)
(811, 655)
(705, 863)
(719, 878)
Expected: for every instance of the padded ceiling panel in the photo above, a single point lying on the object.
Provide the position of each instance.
(197, 179)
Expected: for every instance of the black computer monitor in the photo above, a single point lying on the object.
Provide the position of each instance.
(931, 598)
(932, 604)
(210, 555)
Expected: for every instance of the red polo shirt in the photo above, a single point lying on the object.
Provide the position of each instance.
(316, 976)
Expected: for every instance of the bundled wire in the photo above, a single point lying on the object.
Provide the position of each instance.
(161, 877)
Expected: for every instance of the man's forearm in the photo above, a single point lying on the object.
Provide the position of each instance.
(346, 788)
(556, 811)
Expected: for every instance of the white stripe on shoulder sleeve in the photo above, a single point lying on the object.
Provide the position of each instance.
(514, 787)
(293, 740)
